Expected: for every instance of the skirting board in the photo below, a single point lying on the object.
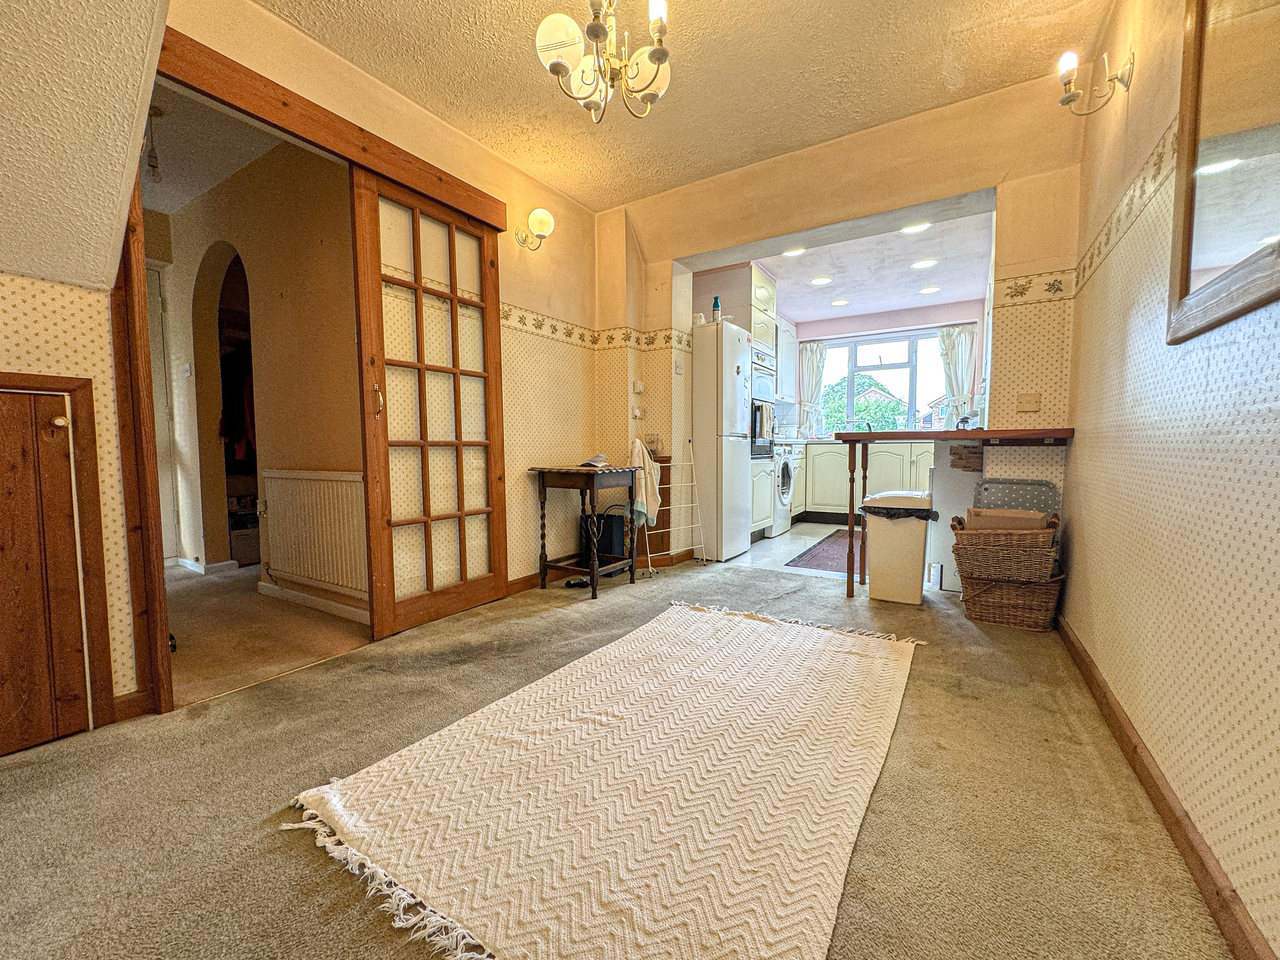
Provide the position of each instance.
(205, 568)
(315, 603)
(1232, 916)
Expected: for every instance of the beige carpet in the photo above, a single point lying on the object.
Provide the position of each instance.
(692, 790)
(229, 635)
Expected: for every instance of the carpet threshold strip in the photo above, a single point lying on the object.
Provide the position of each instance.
(691, 790)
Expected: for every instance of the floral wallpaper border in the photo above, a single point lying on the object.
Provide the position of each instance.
(550, 328)
(1035, 288)
(1158, 167)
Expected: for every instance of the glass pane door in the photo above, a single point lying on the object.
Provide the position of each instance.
(429, 345)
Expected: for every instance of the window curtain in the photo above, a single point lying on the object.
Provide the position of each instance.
(812, 357)
(958, 363)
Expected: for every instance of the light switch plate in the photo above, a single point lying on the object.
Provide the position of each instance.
(1028, 402)
(679, 368)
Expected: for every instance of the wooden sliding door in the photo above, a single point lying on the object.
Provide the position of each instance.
(431, 392)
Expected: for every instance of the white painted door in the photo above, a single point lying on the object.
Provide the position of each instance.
(788, 362)
(761, 493)
(888, 468)
(763, 331)
(164, 418)
(828, 469)
(921, 462)
(799, 492)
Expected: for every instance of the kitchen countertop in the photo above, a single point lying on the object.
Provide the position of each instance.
(1037, 438)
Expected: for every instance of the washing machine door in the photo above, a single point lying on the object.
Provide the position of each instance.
(783, 474)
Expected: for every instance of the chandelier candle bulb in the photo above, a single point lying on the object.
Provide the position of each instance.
(1067, 65)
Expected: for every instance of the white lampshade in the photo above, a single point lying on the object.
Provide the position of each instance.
(580, 82)
(641, 71)
(658, 10)
(541, 223)
(1067, 65)
(559, 42)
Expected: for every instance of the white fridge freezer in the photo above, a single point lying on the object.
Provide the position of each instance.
(721, 437)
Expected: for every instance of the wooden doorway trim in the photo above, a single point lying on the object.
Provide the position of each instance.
(190, 63)
(131, 344)
(89, 508)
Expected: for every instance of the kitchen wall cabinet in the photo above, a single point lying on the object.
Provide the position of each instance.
(764, 331)
(788, 362)
(761, 494)
(764, 291)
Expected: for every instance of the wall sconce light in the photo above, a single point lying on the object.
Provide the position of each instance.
(541, 223)
(1067, 74)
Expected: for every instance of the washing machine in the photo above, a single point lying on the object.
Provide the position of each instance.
(783, 475)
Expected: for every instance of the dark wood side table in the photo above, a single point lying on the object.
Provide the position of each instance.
(588, 481)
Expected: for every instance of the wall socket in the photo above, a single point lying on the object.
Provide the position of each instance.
(1028, 403)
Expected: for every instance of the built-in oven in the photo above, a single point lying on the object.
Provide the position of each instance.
(761, 430)
(764, 377)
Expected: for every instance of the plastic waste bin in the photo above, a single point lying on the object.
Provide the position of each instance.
(897, 524)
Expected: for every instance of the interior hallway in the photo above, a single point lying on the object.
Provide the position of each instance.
(1005, 824)
(229, 635)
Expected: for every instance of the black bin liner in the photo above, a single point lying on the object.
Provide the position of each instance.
(899, 513)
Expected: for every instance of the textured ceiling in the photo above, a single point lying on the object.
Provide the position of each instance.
(750, 80)
(74, 83)
(198, 147)
(875, 274)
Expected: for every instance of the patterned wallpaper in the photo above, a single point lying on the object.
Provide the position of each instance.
(1030, 353)
(58, 330)
(567, 396)
(1173, 511)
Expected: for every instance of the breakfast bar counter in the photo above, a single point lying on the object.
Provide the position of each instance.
(864, 439)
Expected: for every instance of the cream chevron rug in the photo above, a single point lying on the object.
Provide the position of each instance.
(690, 791)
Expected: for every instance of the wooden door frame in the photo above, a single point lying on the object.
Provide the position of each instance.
(193, 65)
(93, 583)
(135, 405)
(203, 70)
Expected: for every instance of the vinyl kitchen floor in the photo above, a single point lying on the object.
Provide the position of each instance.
(772, 553)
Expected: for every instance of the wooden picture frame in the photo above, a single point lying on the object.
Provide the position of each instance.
(1251, 283)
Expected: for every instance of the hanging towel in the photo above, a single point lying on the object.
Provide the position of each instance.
(648, 497)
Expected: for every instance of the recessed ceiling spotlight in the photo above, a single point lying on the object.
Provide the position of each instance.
(916, 228)
(1266, 240)
(820, 281)
(924, 264)
(930, 289)
(793, 252)
(1219, 167)
(839, 303)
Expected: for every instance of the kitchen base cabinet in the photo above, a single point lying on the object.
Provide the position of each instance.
(799, 475)
(890, 466)
(761, 494)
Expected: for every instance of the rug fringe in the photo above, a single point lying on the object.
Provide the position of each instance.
(765, 618)
(451, 940)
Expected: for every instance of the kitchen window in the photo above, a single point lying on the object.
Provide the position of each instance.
(898, 384)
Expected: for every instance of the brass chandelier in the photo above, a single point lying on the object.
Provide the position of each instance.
(590, 68)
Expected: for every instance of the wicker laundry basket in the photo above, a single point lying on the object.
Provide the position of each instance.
(1020, 556)
(1032, 606)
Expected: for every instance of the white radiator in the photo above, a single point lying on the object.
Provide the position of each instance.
(315, 529)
